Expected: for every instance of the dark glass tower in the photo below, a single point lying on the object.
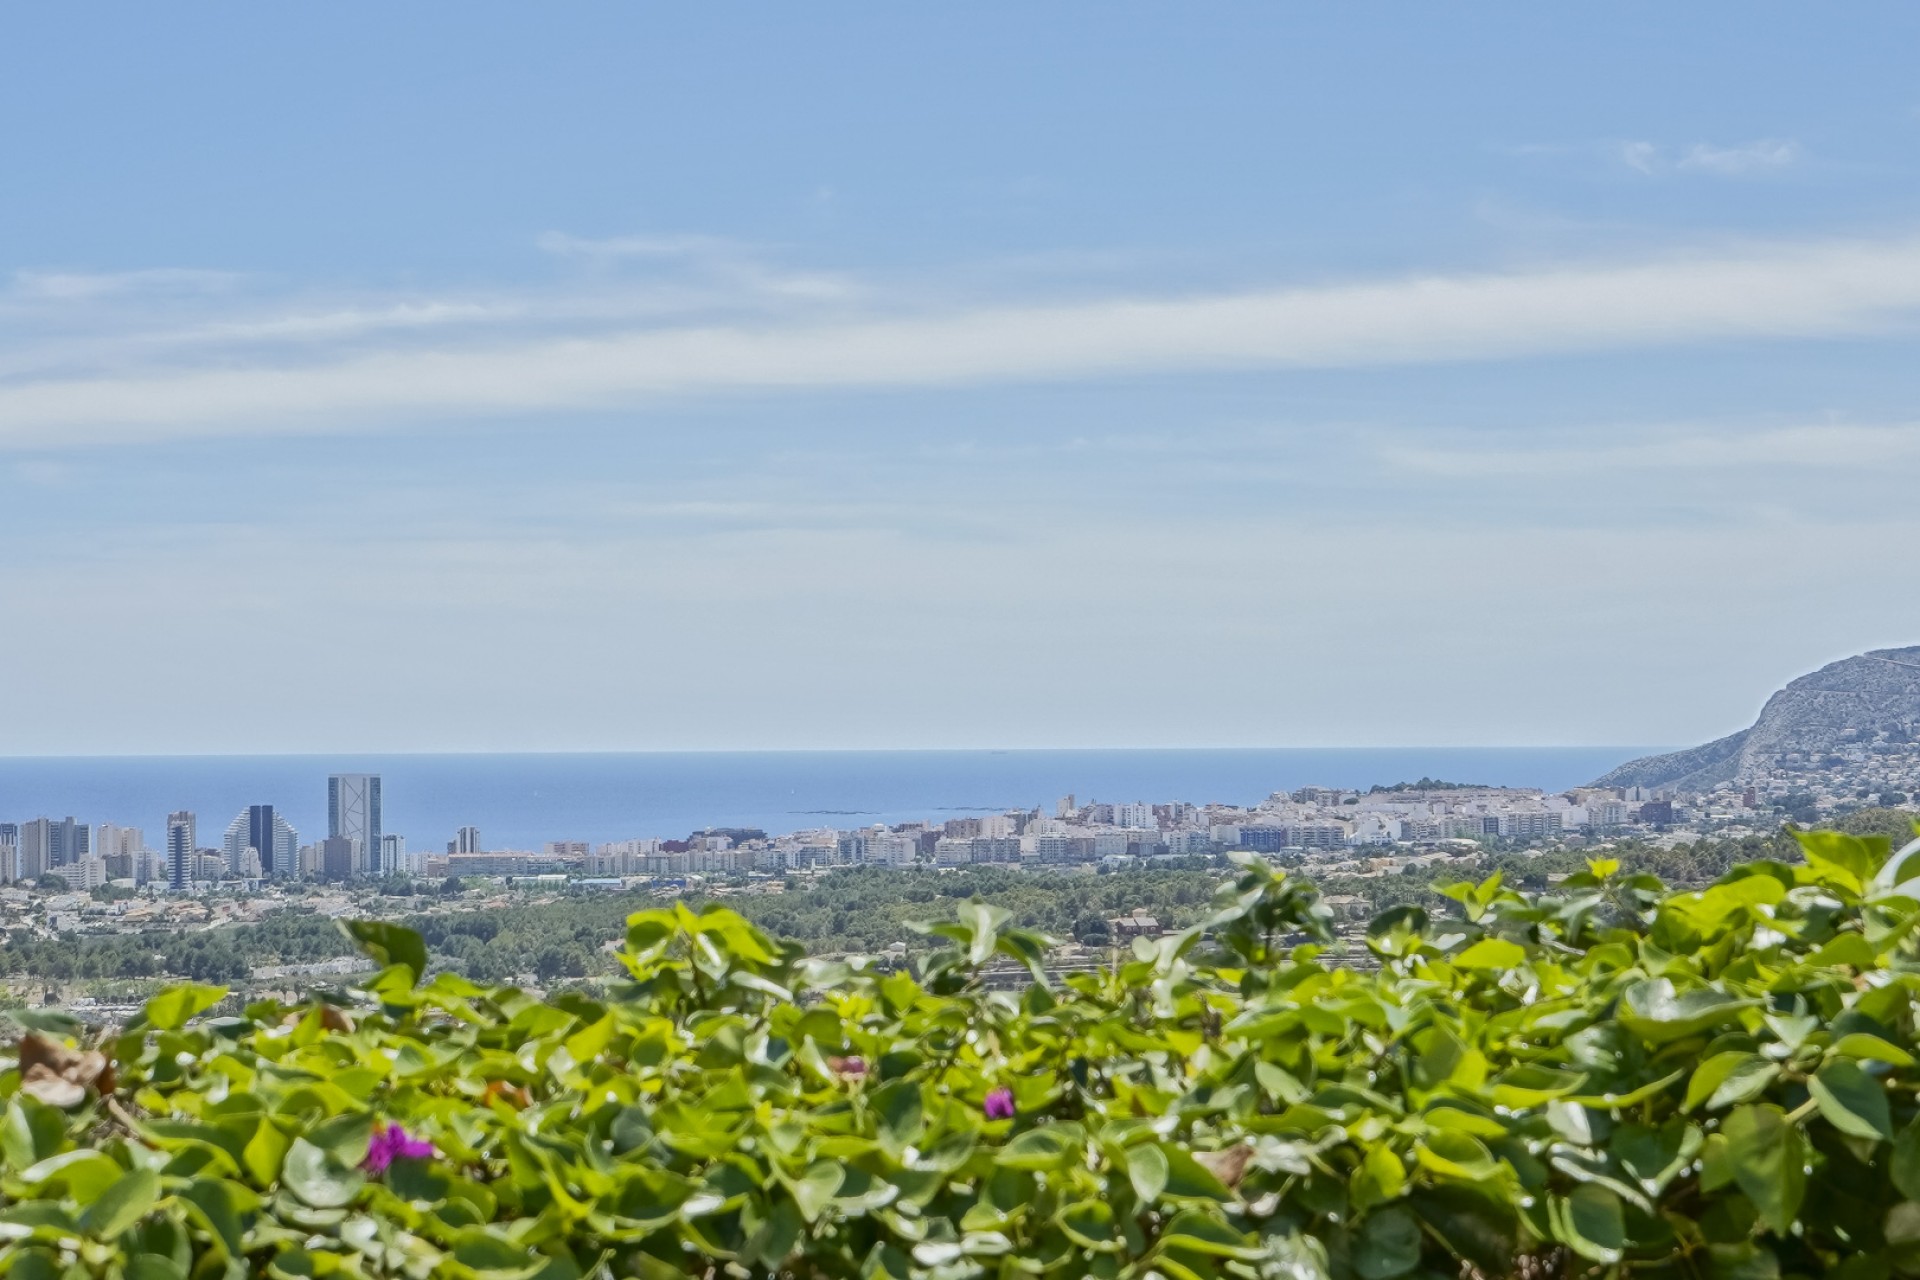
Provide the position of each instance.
(261, 836)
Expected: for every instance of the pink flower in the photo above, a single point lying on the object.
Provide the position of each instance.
(394, 1143)
(852, 1068)
(999, 1104)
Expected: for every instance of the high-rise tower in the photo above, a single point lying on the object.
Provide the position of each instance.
(181, 851)
(353, 813)
(261, 828)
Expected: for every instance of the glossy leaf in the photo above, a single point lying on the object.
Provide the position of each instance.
(1768, 1158)
(174, 1007)
(1851, 1100)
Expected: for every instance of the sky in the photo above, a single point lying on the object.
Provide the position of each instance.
(491, 378)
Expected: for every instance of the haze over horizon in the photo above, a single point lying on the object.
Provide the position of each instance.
(620, 379)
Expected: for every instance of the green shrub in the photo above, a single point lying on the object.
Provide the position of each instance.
(1612, 1077)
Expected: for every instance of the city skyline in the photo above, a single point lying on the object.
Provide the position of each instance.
(862, 379)
(1408, 824)
(523, 801)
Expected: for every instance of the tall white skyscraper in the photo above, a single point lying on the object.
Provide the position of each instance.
(180, 851)
(466, 840)
(353, 813)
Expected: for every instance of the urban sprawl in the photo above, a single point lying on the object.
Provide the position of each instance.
(1380, 829)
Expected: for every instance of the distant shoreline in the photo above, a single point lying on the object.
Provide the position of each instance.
(524, 800)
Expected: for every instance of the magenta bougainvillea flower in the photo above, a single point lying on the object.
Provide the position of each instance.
(999, 1104)
(394, 1143)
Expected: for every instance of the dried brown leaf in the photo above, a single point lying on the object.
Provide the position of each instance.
(40, 1081)
(1229, 1166)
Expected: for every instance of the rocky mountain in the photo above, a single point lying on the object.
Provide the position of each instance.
(1852, 705)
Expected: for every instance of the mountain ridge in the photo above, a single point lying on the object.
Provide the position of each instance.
(1869, 697)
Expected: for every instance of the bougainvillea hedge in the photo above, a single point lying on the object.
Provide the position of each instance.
(1611, 1078)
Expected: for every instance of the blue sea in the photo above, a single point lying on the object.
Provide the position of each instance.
(522, 801)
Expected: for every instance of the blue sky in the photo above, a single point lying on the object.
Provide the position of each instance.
(478, 377)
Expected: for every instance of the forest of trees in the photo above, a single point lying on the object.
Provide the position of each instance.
(853, 910)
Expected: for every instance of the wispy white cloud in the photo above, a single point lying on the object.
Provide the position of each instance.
(567, 245)
(1679, 447)
(347, 322)
(1789, 291)
(1767, 153)
(1644, 156)
(743, 264)
(69, 322)
(77, 286)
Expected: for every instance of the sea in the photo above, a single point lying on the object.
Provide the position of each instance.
(524, 801)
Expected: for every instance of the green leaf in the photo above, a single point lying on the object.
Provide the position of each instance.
(1655, 1013)
(1569, 1120)
(1475, 1223)
(900, 1109)
(1387, 1245)
(591, 1040)
(1188, 1179)
(1869, 1048)
(345, 1137)
(1768, 1158)
(1491, 953)
(1048, 1147)
(884, 1262)
(154, 1266)
(128, 1200)
(264, 1152)
(1851, 1100)
(1147, 1170)
(172, 1008)
(1729, 1078)
(977, 930)
(1590, 1222)
(16, 1135)
(1846, 859)
(388, 944)
(1849, 949)
(815, 1189)
(1905, 1168)
(1382, 1176)
(1655, 1157)
(1200, 1232)
(1455, 1155)
(211, 1201)
(318, 1178)
(1902, 1231)
(84, 1174)
(1089, 1223)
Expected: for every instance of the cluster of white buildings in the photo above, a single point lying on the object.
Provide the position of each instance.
(259, 847)
(1862, 769)
(1313, 821)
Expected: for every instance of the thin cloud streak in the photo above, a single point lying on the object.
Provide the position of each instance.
(1768, 153)
(1651, 158)
(1808, 291)
(567, 245)
(1817, 448)
(85, 286)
